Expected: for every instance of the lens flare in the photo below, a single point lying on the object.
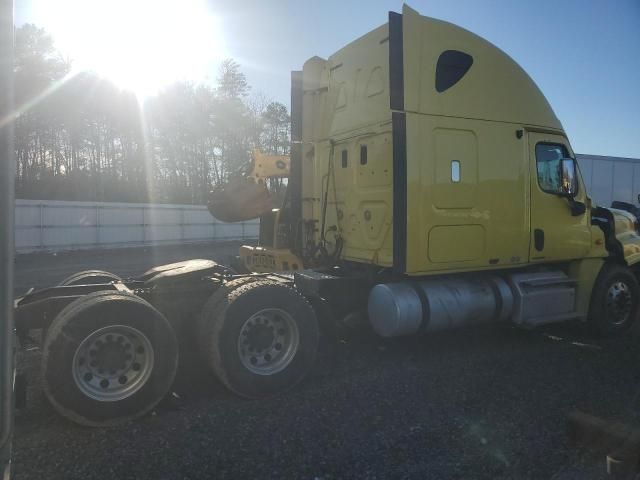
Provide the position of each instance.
(142, 45)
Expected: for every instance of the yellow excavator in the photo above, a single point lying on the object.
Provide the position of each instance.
(259, 191)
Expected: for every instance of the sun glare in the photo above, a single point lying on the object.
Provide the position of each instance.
(142, 45)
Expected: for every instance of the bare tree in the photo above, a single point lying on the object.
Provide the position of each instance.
(81, 138)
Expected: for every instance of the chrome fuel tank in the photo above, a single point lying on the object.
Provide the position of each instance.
(406, 308)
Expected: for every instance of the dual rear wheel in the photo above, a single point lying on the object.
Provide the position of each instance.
(109, 356)
(260, 337)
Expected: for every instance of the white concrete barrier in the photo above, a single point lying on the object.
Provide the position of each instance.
(60, 225)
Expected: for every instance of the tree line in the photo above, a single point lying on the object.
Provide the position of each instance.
(79, 137)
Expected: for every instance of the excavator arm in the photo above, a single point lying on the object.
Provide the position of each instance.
(269, 166)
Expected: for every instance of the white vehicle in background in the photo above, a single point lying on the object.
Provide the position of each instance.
(610, 179)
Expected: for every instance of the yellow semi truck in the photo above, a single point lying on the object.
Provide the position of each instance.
(430, 186)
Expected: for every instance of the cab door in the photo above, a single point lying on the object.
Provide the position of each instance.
(557, 232)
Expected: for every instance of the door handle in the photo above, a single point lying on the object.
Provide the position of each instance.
(538, 239)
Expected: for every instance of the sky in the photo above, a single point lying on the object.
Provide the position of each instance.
(583, 54)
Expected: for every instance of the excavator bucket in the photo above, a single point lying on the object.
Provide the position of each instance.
(240, 199)
(246, 196)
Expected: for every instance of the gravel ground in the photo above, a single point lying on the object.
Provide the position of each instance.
(476, 403)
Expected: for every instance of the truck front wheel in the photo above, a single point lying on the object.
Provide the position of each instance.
(108, 357)
(614, 301)
(262, 337)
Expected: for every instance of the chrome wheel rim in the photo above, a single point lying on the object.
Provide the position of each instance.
(268, 341)
(619, 303)
(113, 363)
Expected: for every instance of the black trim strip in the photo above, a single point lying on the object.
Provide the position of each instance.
(295, 169)
(296, 106)
(399, 129)
(396, 62)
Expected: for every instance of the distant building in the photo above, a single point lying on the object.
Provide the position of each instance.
(610, 178)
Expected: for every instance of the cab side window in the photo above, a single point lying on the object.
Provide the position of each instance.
(548, 161)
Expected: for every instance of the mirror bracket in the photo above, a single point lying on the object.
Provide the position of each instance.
(577, 208)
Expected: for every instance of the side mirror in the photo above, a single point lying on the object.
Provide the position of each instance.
(569, 177)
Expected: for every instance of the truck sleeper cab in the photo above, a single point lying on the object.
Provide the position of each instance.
(455, 172)
(431, 186)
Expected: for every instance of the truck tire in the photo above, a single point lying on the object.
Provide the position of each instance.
(90, 276)
(83, 278)
(614, 301)
(262, 338)
(213, 305)
(108, 357)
